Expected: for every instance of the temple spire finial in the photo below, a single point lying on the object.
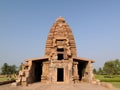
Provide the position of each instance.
(60, 18)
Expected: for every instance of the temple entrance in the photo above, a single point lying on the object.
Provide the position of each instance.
(37, 71)
(60, 75)
(81, 68)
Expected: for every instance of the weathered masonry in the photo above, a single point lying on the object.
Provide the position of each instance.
(60, 63)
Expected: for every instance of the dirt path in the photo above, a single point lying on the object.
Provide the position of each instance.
(38, 86)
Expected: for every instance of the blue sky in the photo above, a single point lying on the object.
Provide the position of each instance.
(25, 24)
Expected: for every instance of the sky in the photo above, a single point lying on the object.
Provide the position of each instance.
(25, 24)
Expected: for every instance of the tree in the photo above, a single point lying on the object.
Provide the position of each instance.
(8, 69)
(117, 66)
(12, 69)
(5, 69)
(112, 67)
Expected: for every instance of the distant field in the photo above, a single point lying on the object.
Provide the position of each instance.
(4, 78)
(115, 79)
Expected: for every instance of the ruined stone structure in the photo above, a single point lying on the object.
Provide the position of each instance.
(60, 63)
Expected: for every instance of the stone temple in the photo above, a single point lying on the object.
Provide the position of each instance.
(60, 63)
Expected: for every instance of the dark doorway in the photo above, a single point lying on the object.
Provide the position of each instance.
(60, 74)
(81, 69)
(37, 71)
(60, 56)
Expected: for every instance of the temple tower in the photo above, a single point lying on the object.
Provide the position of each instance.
(61, 37)
(60, 63)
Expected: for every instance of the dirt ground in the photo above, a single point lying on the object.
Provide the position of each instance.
(39, 86)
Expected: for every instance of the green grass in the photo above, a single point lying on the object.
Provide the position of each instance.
(114, 80)
(4, 78)
(104, 78)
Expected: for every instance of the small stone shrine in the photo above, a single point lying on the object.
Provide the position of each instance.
(60, 63)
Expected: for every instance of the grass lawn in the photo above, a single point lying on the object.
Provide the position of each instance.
(114, 80)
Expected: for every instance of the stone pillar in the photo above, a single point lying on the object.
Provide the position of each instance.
(88, 72)
(44, 76)
(51, 74)
(75, 72)
(70, 72)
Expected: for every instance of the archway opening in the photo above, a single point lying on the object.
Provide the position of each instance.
(81, 68)
(37, 71)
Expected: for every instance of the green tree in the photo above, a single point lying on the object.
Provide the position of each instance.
(117, 66)
(13, 69)
(8, 69)
(5, 69)
(112, 67)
